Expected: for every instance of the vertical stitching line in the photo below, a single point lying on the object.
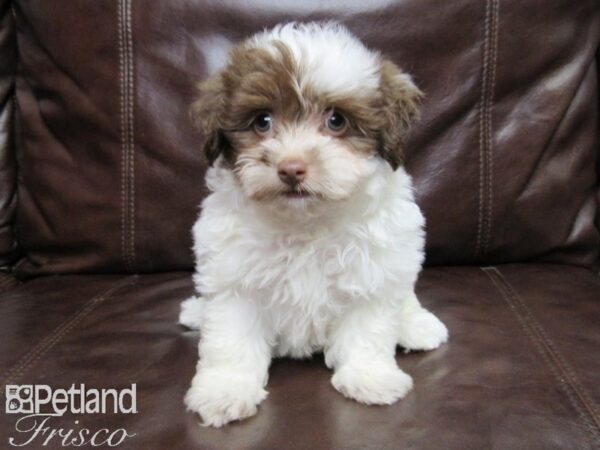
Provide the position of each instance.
(127, 135)
(482, 141)
(122, 94)
(530, 330)
(487, 230)
(131, 137)
(126, 78)
(123, 62)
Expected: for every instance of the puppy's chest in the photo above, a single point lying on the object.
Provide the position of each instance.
(301, 273)
(298, 288)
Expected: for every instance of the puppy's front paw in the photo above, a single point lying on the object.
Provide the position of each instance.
(220, 397)
(379, 385)
(192, 313)
(421, 330)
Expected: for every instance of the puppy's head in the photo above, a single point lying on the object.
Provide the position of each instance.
(302, 113)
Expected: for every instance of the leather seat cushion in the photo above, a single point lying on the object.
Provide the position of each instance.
(520, 369)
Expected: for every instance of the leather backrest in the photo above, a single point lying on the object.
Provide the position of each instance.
(111, 168)
(8, 174)
(598, 152)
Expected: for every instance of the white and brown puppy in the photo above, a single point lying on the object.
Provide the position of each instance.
(311, 239)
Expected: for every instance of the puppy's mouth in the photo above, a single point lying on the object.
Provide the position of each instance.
(297, 193)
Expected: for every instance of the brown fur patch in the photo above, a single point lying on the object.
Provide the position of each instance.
(256, 80)
(401, 99)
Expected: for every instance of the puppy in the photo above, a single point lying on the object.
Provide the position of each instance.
(310, 239)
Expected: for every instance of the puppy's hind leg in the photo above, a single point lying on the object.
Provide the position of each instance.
(418, 328)
(191, 314)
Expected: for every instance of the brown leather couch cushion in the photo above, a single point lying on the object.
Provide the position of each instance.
(8, 176)
(520, 369)
(112, 172)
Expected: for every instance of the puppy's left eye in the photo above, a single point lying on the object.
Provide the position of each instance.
(336, 122)
(263, 122)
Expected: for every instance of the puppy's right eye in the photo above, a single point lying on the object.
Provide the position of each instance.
(262, 123)
(336, 122)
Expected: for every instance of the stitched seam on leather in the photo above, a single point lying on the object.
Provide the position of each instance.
(481, 145)
(561, 362)
(124, 249)
(487, 231)
(127, 135)
(567, 380)
(485, 126)
(131, 134)
(39, 350)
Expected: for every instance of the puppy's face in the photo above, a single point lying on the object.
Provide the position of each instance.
(300, 114)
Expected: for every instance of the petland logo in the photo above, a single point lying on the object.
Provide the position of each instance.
(41, 403)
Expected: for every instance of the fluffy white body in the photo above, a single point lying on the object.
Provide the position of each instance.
(343, 284)
(310, 239)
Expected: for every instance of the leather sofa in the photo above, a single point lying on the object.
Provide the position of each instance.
(101, 175)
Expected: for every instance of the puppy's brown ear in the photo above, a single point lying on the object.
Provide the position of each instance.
(401, 99)
(208, 113)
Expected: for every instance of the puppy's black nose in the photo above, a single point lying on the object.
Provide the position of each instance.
(292, 171)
